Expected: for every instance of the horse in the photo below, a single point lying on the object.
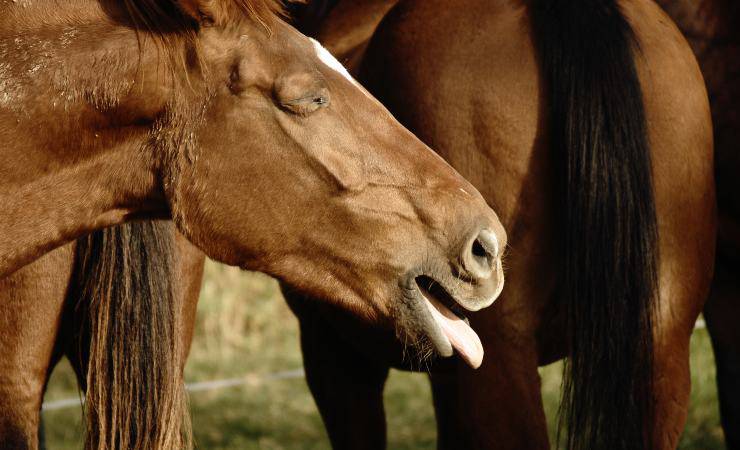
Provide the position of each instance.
(263, 152)
(711, 28)
(586, 124)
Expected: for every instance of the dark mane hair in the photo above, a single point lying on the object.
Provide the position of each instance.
(166, 16)
(169, 26)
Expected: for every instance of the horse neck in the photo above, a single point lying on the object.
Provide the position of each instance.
(73, 158)
(53, 208)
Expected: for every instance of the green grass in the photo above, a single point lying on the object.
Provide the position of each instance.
(244, 327)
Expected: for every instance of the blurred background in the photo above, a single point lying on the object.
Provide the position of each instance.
(246, 344)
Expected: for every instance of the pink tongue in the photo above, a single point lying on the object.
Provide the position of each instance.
(461, 336)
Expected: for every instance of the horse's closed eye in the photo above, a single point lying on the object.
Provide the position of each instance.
(306, 105)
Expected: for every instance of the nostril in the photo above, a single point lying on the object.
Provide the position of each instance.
(480, 255)
(478, 250)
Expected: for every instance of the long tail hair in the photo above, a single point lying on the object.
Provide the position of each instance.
(609, 228)
(135, 396)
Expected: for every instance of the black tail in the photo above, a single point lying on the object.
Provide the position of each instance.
(598, 132)
(135, 395)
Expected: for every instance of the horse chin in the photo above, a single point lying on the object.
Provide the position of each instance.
(440, 318)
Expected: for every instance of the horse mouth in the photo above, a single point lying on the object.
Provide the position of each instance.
(445, 323)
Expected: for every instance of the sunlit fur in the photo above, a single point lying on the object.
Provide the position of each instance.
(221, 117)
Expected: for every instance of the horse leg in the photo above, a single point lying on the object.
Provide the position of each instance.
(346, 385)
(672, 388)
(722, 314)
(42, 434)
(190, 264)
(31, 303)
(672, 377)
(496, 406)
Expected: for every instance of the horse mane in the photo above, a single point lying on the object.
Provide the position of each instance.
(169, 25)
(165, 16)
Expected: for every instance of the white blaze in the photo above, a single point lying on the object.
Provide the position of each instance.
(329, 59)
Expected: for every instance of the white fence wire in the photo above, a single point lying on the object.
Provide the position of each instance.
(250, 378)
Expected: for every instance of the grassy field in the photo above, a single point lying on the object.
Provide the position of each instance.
(244, 329)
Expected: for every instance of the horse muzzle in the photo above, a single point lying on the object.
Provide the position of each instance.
(439, 299)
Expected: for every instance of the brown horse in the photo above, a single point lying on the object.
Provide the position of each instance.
(586, 124)
(711, 27)
(265, 154)
(352, 25)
